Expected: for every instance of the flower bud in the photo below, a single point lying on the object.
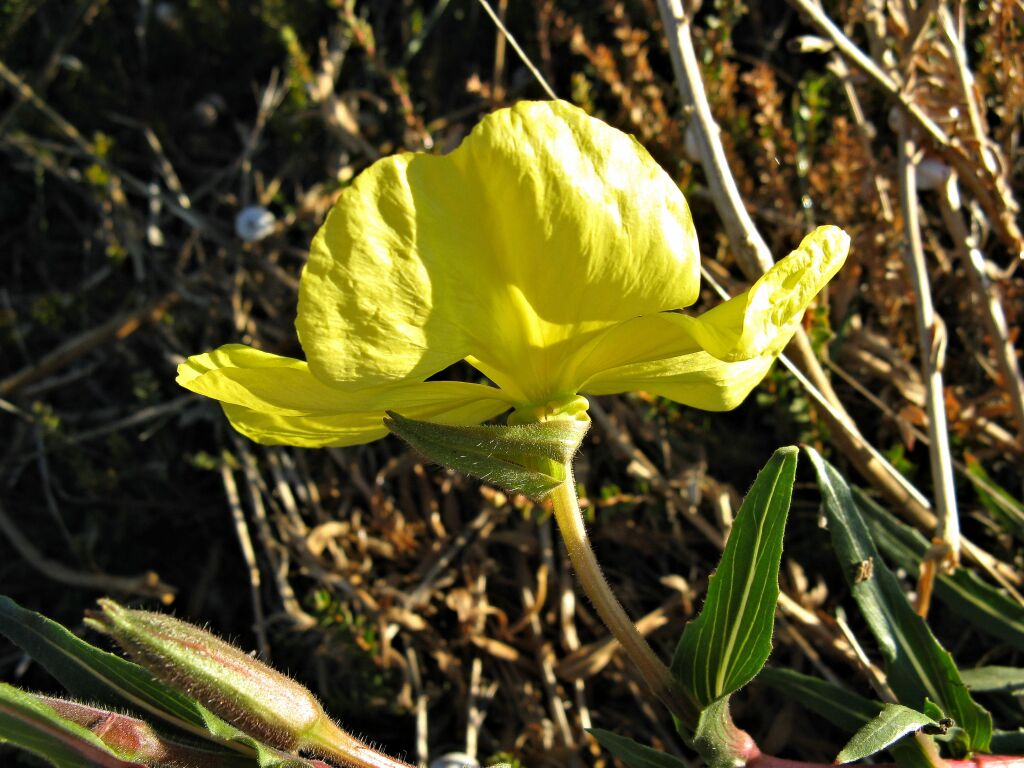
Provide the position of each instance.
(245, 692)
(531, 459)
(136, 740)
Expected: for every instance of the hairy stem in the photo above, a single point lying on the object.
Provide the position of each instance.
(654, 673)
(330, 741)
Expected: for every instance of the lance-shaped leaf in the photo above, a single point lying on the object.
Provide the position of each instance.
(531, 459)
(983, 606)
(631, 753)
(890, 725)
(845, 709)
(728, 643)
(918, 668)
(30, 724)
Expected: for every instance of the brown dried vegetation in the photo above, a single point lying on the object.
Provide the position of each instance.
(428, 611)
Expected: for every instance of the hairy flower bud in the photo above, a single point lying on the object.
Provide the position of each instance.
(136, 740)
(245, 692)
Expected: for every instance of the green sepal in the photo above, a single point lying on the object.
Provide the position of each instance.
(531, 459)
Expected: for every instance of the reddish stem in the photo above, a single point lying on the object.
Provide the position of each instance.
(761, 760)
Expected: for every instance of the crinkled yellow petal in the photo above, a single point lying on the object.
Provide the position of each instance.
(762, 320)
(277, 400)
(713, 361)
(541, 230)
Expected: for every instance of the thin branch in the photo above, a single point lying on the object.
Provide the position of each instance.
(118, 327)
(749, 247)
(899, 490)
(145, 585)
(754, 258)
(249, 555)
(932, 340)
(519, 51)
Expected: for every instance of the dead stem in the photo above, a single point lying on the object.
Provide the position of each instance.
(932, 343)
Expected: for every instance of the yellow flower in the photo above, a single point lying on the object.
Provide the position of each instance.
(549, 251)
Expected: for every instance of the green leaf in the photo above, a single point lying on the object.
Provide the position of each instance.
(917, 666)
(728, 643)
(890, 725)
(531, 459)
(90, 673)
(27, 723)
(93, 674)
(994, 679)
(983, 606)
(633, 754)
(842, 708)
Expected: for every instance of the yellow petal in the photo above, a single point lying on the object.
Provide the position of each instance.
(697, 379)
(641, 340)
(276, 400)
(762, 320)
(713, 361)
(440, 404)
(245, 376)
(544, 228)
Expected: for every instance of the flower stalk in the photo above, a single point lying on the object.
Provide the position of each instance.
(655, 674)
(331, 741)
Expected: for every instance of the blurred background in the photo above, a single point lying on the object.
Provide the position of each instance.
(164, 167)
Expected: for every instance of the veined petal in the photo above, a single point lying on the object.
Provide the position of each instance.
(713, 361)
(640, 340)
(438, 403)
(259, 380)
(544, 228)
(762, 320)
(697, 379)
(274, 399)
